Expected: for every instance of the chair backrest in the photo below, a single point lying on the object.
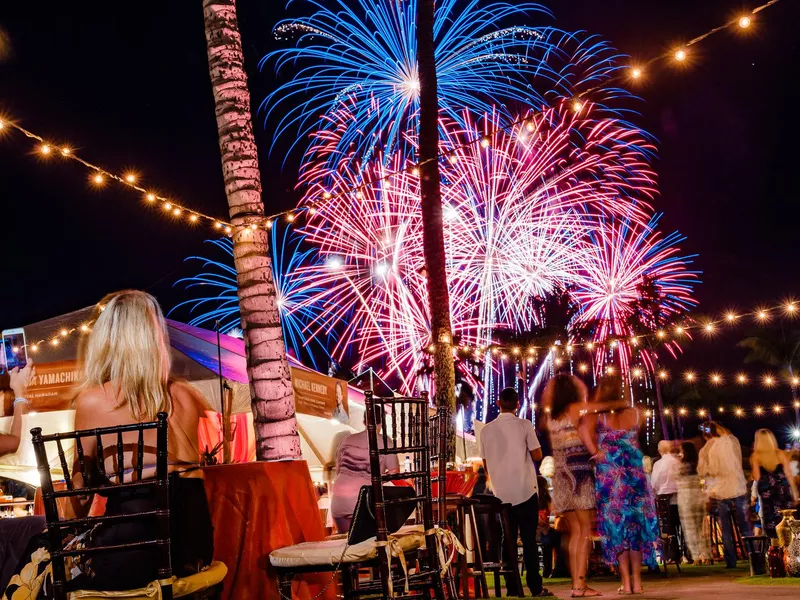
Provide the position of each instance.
(58, 527)
(664, 514)
(402, 426)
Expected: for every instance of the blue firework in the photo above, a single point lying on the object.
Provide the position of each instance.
(360, 56)
(217, 299)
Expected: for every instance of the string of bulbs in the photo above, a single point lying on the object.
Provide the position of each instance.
(182, 213)
(665, 335)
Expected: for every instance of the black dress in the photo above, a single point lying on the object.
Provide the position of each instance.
(775, 494)
(192, 546)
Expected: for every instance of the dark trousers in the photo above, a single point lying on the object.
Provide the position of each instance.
(524, 519)
(740, 508)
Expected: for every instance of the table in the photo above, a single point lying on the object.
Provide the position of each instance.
(14, 537)
(256, 508)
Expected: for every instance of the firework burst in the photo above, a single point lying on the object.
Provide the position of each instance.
(362, 53)
(521, 216)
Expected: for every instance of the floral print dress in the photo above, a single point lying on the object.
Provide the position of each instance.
(775, 493)
(626, 510)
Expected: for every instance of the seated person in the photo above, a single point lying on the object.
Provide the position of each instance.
(352, 472)
(19, 380)
(126, 367)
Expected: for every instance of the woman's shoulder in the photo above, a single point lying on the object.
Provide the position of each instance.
(186, 395)
(93, 397)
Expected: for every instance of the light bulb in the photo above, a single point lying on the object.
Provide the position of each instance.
(745, 22)
(680, 55)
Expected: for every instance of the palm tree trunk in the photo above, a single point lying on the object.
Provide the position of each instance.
(433, 223)
(267, 367)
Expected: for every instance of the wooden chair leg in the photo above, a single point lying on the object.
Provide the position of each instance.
(166, 592)
(285, 579)
(347, 582)
(481, 587)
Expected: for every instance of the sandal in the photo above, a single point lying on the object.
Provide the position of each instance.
(621, 592)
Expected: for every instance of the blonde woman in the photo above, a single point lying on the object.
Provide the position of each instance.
(772, 474)
(126, 380)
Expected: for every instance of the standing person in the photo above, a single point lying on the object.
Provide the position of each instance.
(664, 481)
(771, 474)
(509, 446)
(692, 505)
(626, 509)
(720, 463)
(573, 483)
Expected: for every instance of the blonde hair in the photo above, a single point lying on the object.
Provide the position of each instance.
(128, 348)
(765, 449)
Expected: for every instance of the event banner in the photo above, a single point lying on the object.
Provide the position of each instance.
(319, 395)
(52, 385)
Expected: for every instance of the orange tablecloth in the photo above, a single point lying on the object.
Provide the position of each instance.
(458, 483)
(256, 508)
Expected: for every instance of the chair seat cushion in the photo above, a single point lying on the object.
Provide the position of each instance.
(329, 552)
(184, 586)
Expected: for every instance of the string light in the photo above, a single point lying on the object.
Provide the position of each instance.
(635, 72)
(100, 176)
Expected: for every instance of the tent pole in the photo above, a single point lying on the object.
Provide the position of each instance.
(221, 381)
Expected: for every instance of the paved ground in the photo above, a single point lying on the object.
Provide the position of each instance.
(695, 583)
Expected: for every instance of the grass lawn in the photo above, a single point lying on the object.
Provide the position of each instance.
(765, 580)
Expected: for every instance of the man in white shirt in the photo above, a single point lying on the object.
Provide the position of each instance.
(509, 446)
(665, 472)
(720, 463)
(664, 481)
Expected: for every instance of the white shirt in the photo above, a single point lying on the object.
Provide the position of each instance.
(721, 463)
(505, 444)
(665, 475)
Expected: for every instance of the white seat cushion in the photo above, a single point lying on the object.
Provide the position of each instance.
(331, 551)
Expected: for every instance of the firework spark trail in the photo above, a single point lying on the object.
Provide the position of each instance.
(363, 53)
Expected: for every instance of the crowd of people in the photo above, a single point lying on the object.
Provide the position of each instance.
(601, 485)
(596, 484)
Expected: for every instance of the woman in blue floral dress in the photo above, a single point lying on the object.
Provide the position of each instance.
(626, 511)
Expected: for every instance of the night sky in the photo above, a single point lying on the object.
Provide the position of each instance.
(126, 84)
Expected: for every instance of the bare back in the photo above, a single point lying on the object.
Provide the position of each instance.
(100, 407)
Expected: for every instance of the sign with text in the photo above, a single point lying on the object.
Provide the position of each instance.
(319, 395)
(53, 385)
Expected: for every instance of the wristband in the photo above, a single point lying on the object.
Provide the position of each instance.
(20, 400)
